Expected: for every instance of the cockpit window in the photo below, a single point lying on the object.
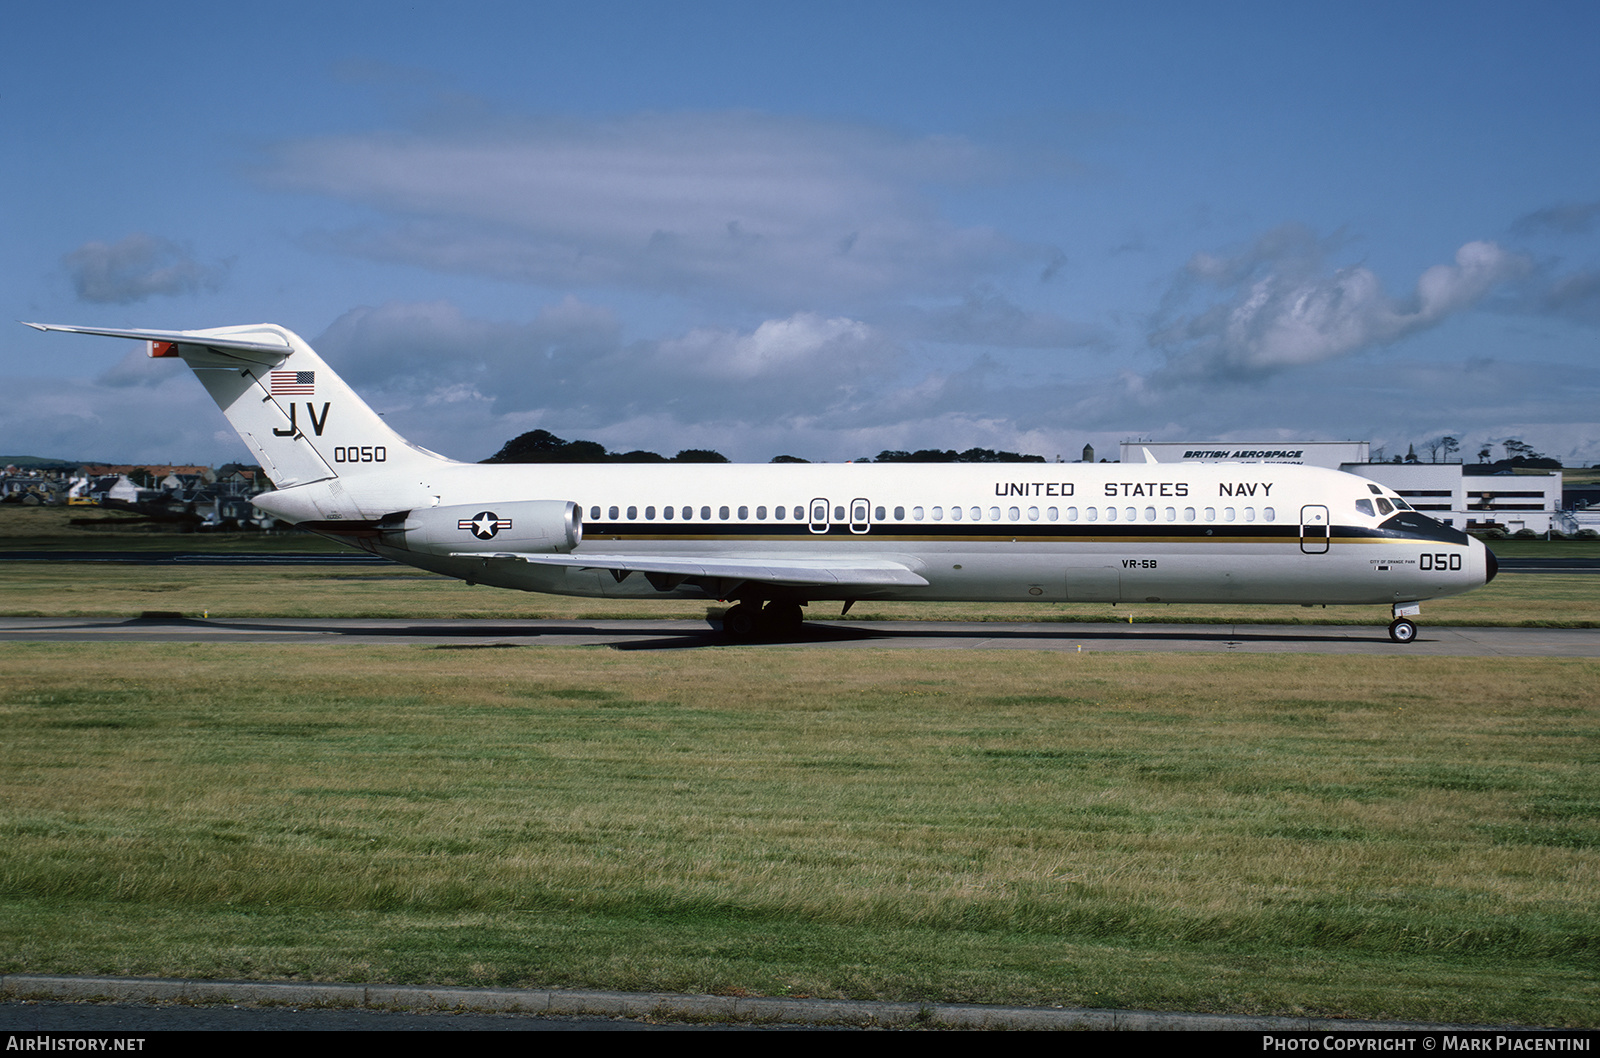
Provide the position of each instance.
(1401, 504)
(1384, 506)
(1375, 490)
(1365, 507)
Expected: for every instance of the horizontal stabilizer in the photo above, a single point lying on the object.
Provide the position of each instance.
(860, 571)
(244, 344)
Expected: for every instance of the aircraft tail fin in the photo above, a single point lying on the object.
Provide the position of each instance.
(298, 417)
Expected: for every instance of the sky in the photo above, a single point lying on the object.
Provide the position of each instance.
(818, 229)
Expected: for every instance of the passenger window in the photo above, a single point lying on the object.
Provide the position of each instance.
(722, 513)
(1033, 514)
(994, 514)
(1172, 514)
(744, 514)
(916, 514)
(1052, 513)
(977, 514)
(1249, 514)
(955, 514)
(1268, 514)
(705, 514)
(761, 514)
(899, 514)
(1211, 514)
(1111, 514)
(666, 513)
(594, 514)
(633, 512)
(1072, 514)
(1149, 514)
(878, 515)
(838, 514)
(1091, 513)
(1227, 514)
(613, 514)
(1188, 514)
(938, 513)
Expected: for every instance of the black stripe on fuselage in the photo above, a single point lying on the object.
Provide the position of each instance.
(982, 532)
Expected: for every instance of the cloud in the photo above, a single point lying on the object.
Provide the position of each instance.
(987, 318)
(1575, 296)
(569, 368)
(1568, 218)
(1283, 311)
(782, 212)
(138, 267)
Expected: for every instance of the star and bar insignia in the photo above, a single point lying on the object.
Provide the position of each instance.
(484, 526)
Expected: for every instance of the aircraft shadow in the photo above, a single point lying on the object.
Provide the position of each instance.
(650, 636)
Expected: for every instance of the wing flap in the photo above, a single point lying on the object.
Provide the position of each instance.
(860, 571)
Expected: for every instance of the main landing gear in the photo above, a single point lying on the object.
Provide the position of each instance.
(1402, 629)
(749, 620)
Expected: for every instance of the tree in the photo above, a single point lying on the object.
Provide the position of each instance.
(542, 446)
(535, 446)
(699, 455)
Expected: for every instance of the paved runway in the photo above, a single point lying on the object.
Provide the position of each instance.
(844, 635)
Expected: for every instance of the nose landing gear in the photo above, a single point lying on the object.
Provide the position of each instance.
(1402, 629)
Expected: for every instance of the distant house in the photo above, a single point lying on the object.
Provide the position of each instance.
(184, 484)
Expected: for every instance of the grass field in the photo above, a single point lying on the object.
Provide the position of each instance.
(1403, 838)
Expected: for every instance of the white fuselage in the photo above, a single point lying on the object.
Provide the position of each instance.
(1046, 532)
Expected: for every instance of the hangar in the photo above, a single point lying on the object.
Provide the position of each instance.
(1448, 492)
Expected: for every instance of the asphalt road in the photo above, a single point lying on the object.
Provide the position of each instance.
(833, 635)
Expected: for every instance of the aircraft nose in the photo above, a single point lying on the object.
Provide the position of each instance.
(1491, 565)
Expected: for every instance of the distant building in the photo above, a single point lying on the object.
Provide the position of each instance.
(1452, 494)
(1330, 454)
(1449, 492)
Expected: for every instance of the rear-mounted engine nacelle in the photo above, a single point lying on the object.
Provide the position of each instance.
(525, 525)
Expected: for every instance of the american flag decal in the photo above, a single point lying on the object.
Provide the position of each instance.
(293, 383)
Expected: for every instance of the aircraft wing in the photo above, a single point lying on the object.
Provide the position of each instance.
(854, 571)
(243, 344)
